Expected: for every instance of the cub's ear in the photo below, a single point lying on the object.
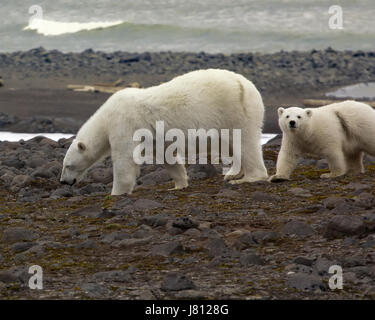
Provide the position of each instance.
(280, 111)
(81, 146)
(309, 112)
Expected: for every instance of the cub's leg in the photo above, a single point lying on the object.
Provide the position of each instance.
(287, 160)
(178, 174)
(354, 163)
(336, 163)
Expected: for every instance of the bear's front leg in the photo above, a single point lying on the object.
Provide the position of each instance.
(336, 163)
(124, 177)
(287, 160)
(178, 173)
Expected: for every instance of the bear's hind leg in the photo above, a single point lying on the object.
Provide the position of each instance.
(230, 176)
(178, 174)
(337, 165)
(354, 163)
(252, 164)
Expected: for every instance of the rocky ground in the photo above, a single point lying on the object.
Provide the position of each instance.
(210, 241)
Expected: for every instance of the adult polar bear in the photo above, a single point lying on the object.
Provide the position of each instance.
(339, 132)
(207, 99)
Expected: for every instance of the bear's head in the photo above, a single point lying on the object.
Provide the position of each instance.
(76, 162)
(294, 119)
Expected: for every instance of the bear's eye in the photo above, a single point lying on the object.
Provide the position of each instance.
(287, 117)
(299, 117)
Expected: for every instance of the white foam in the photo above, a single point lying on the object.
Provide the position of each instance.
(267, 137)
(56, 28)
(11, 136)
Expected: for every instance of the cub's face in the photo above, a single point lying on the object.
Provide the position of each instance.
(75, 164)
(294, 119)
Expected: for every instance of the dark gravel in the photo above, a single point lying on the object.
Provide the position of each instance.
(210, 241)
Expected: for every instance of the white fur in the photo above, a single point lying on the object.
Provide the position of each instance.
(205, 99)
(339, 132)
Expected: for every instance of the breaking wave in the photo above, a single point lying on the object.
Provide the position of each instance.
(56, 28)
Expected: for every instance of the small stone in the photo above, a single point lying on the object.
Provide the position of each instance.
(298, 228)
(8, 277)
(109, 238)
(101, 175)
(157, 220)
(304, 261)
(21, 181)
(63, 192)
(322, 265)
(94, 290)
(185, 223)
(245, 240)
(175, 281)
(262, 237)
(13, 235)
(88, 244)
(89, 212)
(114, 275)
(22, 246)
(264, 197)
(217, 247)
(365, 200)
(300, 192)
(130, 243)
(193, 233)
(167, 249)
(249, 259)
(227, 193)
(174, 231)
(146, 204)
(94, 188)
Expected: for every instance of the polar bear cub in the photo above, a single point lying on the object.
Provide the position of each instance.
(202, 99)
(339, 132)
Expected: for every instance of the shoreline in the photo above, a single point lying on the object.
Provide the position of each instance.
(35, 81)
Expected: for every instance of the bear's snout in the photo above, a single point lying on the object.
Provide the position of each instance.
(292, 124)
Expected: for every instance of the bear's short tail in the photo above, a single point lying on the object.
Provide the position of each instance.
(249, 97)
(344, 125)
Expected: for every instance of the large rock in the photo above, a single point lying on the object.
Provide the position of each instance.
(305, 282)
(13, 235)
(146, 204)
(167, 249)
(298, 228)
(345, 225)
(175, 281)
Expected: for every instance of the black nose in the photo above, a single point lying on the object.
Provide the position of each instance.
(292, 124)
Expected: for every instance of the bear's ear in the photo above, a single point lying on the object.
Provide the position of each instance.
(81, 146)
(309, 112)
(280, 111)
